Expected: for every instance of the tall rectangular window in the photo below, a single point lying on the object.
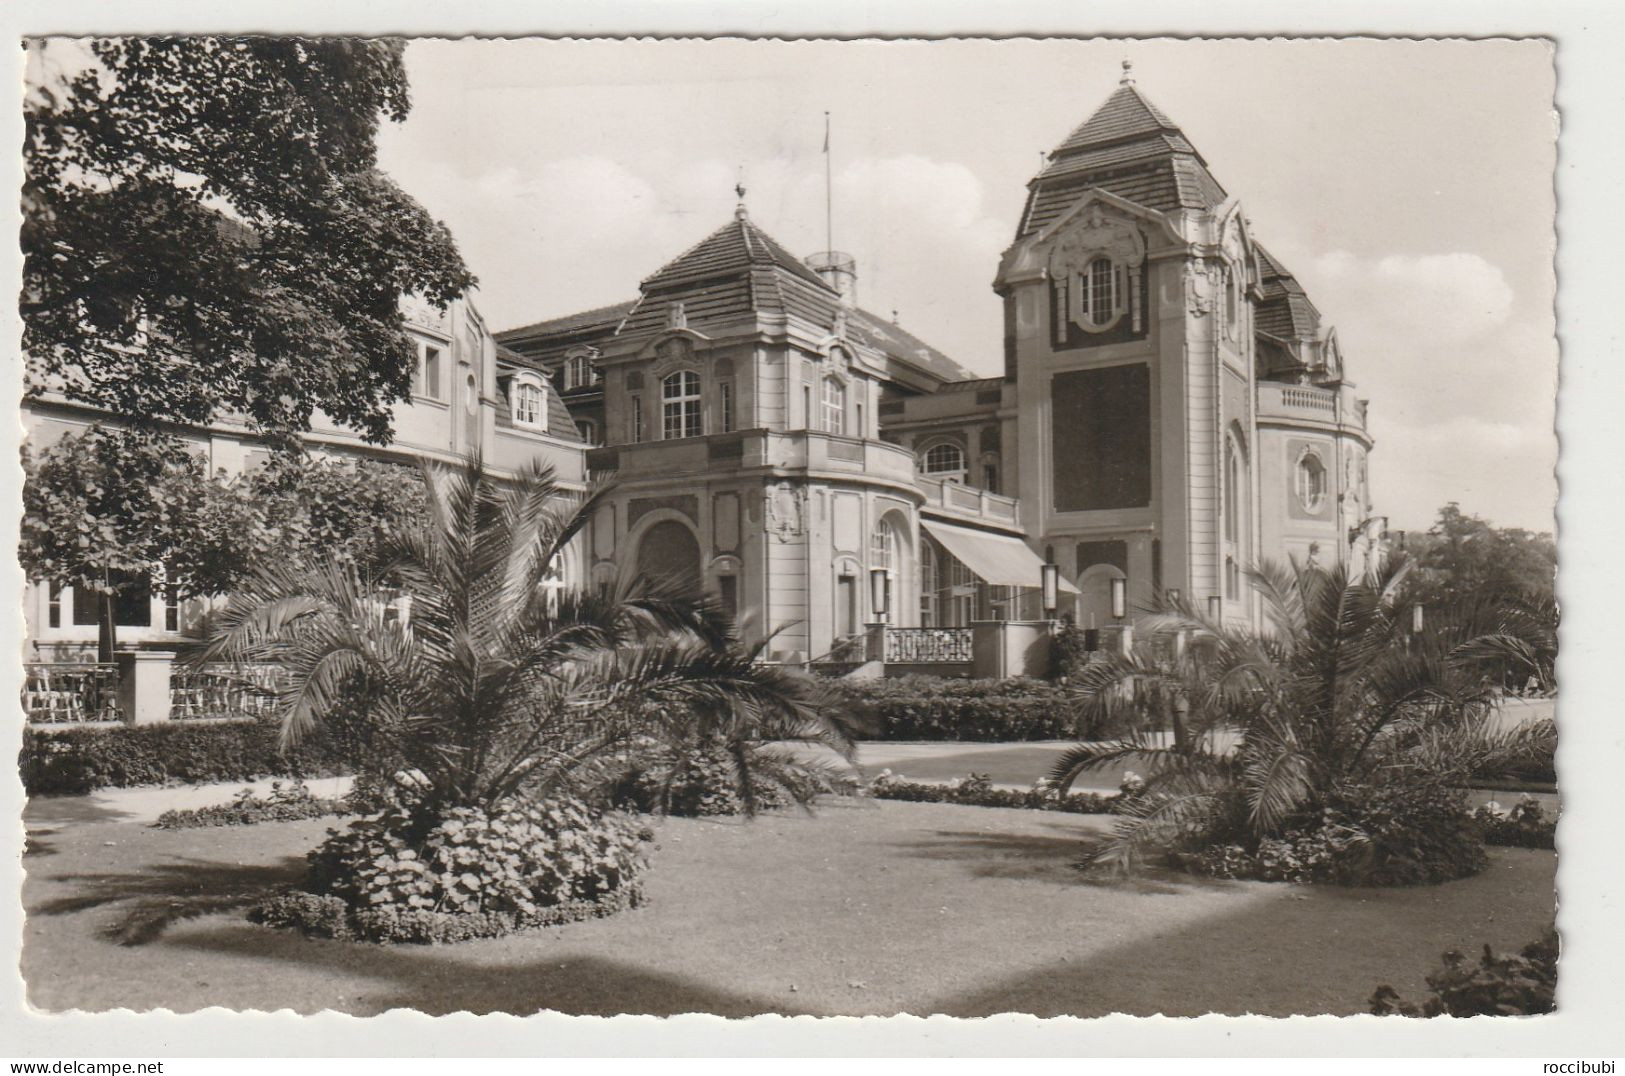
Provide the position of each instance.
(834, 407)
(680, 405)
(429, 383)
(728, 594)
(637, 419)
(1100, 450)
(53, 615)
(727, 389)
(846, 606)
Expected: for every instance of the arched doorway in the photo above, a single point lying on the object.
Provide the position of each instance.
(669, 557)
(1095, 595)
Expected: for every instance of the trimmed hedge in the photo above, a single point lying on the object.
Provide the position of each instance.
(931, 708)
(79, 760)
(1524, 826)
(290, 804)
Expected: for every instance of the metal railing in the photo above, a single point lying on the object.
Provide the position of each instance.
(222, 690)
(70, 693)
(928, 646)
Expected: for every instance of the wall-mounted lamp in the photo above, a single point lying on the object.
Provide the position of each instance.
(1049, 578)
(879, 591)
(1172, 595)
(1119, 598)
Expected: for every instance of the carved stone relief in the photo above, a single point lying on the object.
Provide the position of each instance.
(785, 504)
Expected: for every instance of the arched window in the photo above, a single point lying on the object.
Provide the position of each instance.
(1311, 480)
(1100, 292)
(529, 403)
(834, 406)
(1232, 492)
(680, 405)
(945, 461)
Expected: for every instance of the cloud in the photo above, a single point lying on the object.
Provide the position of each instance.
(1439, 299)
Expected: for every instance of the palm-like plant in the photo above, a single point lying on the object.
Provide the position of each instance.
(490, 682)
(1334, 689)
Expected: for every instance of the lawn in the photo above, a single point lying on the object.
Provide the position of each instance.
(864, 908)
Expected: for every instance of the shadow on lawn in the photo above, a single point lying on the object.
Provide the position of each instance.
(168, 893)
(1280, 950)
(437, 980)
(1036, 857)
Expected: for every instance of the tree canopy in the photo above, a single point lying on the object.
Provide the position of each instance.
(1465, 557)
(206, 231)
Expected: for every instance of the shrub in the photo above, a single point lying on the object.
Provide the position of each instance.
(978, 791)
(1370, 834)
(1525, 825)
(1496, 986)
(80, 760)
(329, 917)
(405, 876)
(929, 708)
(704, 782)
(283, 804)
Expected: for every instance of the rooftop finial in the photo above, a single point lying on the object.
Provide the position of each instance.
(739, 189)
(1128, 73)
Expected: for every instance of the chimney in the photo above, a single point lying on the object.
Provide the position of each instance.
(840, 272)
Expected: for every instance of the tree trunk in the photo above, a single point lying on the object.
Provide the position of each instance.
(106, 626)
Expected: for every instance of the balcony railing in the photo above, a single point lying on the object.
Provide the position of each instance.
(216, 691)
(61, 693)
(928, 646)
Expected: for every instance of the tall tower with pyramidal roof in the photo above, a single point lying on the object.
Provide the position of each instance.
(1179, 410)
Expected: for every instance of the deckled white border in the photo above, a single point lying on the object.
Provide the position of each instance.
(1591, 214)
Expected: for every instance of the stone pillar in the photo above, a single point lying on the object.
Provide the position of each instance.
(143, 685)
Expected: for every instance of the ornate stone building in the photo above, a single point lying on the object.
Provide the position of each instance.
(1171, 408)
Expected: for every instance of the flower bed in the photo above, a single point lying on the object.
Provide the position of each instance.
(978, 791)
(1523, 825)
(284, 803)
(407, 876)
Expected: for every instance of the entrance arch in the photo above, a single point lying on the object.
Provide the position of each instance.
(1095, 595)
(669, 557)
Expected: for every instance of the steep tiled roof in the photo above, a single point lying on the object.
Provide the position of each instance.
(1285, 311)
(569, 323)
(730, 248)
(906, 347)
(1129, 148)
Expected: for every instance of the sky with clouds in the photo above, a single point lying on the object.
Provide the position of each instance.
(1408, 185)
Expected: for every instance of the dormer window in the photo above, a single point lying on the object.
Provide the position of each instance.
(579, 372)
(529, 402)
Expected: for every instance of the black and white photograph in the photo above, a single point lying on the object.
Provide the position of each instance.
(1048, 525)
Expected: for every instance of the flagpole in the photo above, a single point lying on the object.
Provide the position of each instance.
(829, 196)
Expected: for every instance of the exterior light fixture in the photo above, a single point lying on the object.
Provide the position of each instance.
(1049, 577)
(1119, 598)
(1172, 595)
(878, 592)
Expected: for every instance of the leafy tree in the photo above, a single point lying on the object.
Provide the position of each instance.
(103, 510)
(494, 685)
(1462, 556)
(206, 231)
(110, 511)
(1336, 692)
